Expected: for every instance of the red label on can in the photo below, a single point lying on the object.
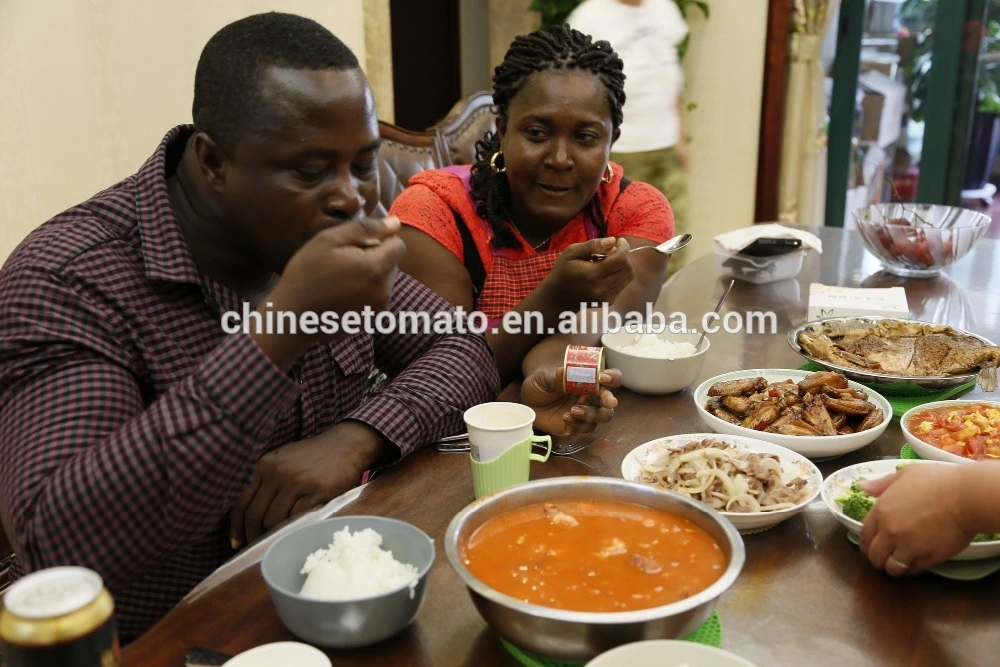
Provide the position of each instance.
(582, 368)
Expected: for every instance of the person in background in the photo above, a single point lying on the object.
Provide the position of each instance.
(136, 437)
(517, 230)
(646, 34)
(926, 514)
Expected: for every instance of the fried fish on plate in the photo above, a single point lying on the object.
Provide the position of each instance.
(902, 347)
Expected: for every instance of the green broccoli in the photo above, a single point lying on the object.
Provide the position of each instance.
(986, 537)
(856, 504)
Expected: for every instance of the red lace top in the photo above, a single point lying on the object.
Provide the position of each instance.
(428, 204)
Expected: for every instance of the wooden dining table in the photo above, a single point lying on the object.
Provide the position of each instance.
(806, 596)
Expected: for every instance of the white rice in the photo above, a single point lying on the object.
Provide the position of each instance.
(652, 346)
(355, 566)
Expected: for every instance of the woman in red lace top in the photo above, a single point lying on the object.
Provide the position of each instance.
(517, 229)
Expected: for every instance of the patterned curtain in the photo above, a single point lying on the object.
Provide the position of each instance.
(802, 183)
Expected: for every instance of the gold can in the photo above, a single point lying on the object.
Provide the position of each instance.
(59, 617)
(582, 368)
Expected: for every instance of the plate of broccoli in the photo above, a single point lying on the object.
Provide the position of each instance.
(850, 505)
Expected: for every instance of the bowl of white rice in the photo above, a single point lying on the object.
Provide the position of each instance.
(349, 581)
(655, 363)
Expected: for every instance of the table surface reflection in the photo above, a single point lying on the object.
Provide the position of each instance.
(805, 596)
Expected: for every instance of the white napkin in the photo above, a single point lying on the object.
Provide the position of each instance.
(739, 238)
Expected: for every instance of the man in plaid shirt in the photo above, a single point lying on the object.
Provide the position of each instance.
(136, 437)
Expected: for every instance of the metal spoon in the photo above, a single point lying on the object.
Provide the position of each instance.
(717, 307)
(668, 247)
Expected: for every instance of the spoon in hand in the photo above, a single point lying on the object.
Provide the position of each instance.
(668, 247)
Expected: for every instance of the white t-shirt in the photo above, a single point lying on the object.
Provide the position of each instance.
(645, 36)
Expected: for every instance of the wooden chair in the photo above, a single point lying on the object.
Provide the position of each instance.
(451, 141)
(465, 124)
(403, 154)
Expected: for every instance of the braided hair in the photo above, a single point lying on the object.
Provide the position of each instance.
(558, 48)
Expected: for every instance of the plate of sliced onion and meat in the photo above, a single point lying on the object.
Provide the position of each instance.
(819, 415)
(753, 483)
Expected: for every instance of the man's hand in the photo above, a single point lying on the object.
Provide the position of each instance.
(557, 413)
(341, 269)
(302, 475)
(576, 278)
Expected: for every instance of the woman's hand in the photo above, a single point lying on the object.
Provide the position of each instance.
(918, 521)
(557, 413)
(576, 278)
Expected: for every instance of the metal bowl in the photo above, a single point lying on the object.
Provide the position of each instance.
(346, 623)
(884, 383)
(575, 635)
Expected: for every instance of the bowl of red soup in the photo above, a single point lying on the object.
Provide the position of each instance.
(570, 567)
(955, 431)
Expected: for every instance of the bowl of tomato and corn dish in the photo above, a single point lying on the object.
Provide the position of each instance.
(570, 567)
(956, 431)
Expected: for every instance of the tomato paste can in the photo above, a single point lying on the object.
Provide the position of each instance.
(582, 368)
(59, 617)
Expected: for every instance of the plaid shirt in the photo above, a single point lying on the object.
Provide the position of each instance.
(129, 422)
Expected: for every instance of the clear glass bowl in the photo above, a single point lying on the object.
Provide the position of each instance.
(918, 240)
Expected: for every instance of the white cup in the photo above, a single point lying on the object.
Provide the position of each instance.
(496, 427)
(280, 653)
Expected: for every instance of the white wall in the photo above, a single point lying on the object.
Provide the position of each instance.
(724, 72)
(89, 87)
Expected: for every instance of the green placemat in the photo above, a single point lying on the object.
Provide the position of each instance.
(902, 399)
(907, 453)
(710, 633)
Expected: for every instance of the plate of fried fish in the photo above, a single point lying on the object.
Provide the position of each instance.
(894, 355)
(819, 415)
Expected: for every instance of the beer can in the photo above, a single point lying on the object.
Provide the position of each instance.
(582, 368)
(59, 617)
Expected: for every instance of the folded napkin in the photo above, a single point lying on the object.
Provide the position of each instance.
(739, 238)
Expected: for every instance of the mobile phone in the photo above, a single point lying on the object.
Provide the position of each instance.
(770, 247)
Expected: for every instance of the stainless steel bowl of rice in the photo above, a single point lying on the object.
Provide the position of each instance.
(349, 581)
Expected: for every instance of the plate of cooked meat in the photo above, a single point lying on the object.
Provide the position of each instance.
(753, 483)
(894, 355)
(819, 415)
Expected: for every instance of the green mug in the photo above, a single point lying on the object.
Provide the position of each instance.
(510, 468)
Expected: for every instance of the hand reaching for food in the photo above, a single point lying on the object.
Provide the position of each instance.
(919, 519)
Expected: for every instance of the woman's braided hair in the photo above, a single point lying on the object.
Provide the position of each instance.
(558, 48)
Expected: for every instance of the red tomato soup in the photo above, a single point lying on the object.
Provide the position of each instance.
(594, 556)
(971, 430)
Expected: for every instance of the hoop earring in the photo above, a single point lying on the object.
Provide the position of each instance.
(610, 176)
(493, 163)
